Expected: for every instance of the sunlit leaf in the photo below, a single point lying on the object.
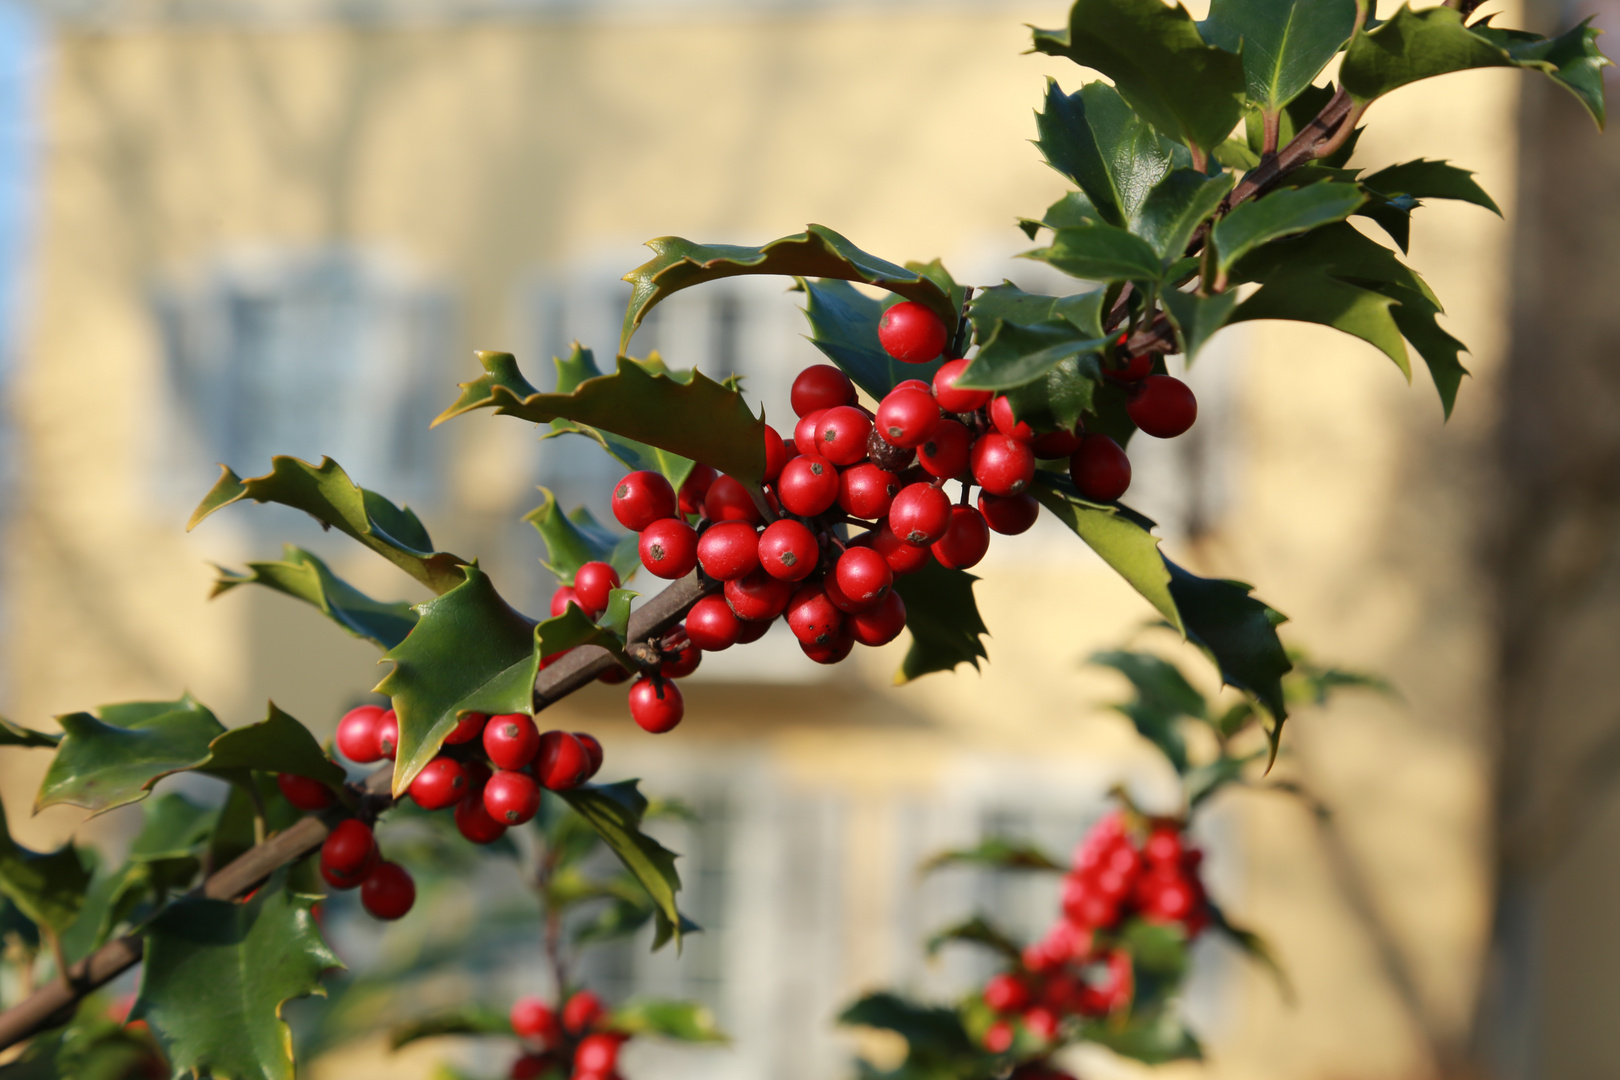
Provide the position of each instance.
(305, 577)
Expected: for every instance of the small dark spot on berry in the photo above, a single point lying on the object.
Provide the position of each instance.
(788, 558)
(657, 552)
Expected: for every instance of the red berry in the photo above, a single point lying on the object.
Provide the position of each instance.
(832, 652)
(1006, 993)
(914, 384)
(387, 734)
(920, 514)
(820, 386)
(596, 1054)
(902, 556)
(945, 453)
(582, 1011)
(349, 850)
(1009, 514)
(669, 547)
(304, 793)
(389, 892)
(593, 750)
(1002, 465)
(965, 541)
(788, 550)
(728, 500)
(441, 783)
(682, 662)
(750, 632)
(812, 617)
(592, 583)
(655, 704)
(863, 576)
(1163, 846)
(908, 416)
(842, 602)
(808, 485)
(357, 734)
(642, 498)
(563, 761)
(881, 624)
(865, 491)
(911, 333)
(777, 453)
(951, 399)
(841, 435)
(533, 1019)
(511, 797)
(1173, 901)
(560, 600)
(1001, 414)
(1042, 1023)
(805, 431)
(729, 550)
(1051, 445)
(998, 1037)
(511, 741)
(759, 597)
(1135, 369)
(711, 625)
(1162, 406)
(473, 820)
(695, 487)
(535, 1066)
(1100, 469)
(468, 728)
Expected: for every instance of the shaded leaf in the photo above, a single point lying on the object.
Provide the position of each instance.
(114, 757)
(943, 620)
(1008, 303)
(1175, 208)
(1314, 297)
(1439, 350)
(1198, 317)
(1285, 44)
(277, 743)
(235, 830)
(1163, 699)
(928, 1029)
(1120, 537)
(1100, 253)
(1153, 1037)
(47, 887)
(615, 811)
(17, 735)
(843, 325)
(466, 1020)
(1094, 139)
(976, 931)
(1156, 948)
(1424, 179)
(1205, 780)
(685, 1021)
(574, 628)
(633, 455)
(301, 575)
(1282, 213)
(1058, 397)
(995, 852)
(1017, 353)
(572, 540)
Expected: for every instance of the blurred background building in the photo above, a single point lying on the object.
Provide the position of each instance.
(232, 228)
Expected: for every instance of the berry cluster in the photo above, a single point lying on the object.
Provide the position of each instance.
(1077, 969)
(488, 791)
(574, 1041)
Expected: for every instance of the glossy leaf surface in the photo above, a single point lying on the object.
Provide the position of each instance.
(305, 577)
(47, 887)
(572, 540)
(1116, 158)
(843, 325)
(943, 620)
(1285, 44)
(616, 811)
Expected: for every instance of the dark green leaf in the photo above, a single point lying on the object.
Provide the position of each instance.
(616, 919)
(277, 743)
(1008, 303)
(693, 416)
(47, 887)
(685, 1021)
(1175, 208)
(1121, 538)
(17, 735)
(1100, 253)
(1163, 699)
(1417, 323)
(1205, 780)
(326, 493)
(573, 628)
(1153, 1037)
(305, 577)
(935, 271)
(1257, 949)
(1282, 213)
(1057, 398)
(976, 931)
(1153, 54)
(1417, 45)
(217, 974)
(1423, 179)
(1316, 298)
(994, 852)
(236, 829)
(615, 811)
(466, 1020)
(817, 252)
(1094, 139)
(579, 366)
(1285, 43)
(471, 652)
(1016, 354)
(572, 540)
(843, 325)
(1156, 948)
(1073, 209)
(943, 620)
(1393, 215)
(1198, 317)
(927, 1029)
(115, 757)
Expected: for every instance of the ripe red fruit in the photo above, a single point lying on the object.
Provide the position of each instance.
(759, 597)
(820, 386)
(728, 550)
(560, 600)
(808, 485)
(1163, 847)
(593, 750)
(682, 661)
(1100, 469)
(863, 576)
(1002, 465)
(695, 487)
(596, 1054)
(534, 1066)
(357, 734)
(669, 547)
(1042, 1023)
(832, 652)
(777, 453)
(582, 1011)
(804, 433)
(1051, 445)
(965, 541)
(511, 798)
(468, 728)
(728, 500)
(1001, 414)
(911, 333)
(655, 704)
(511, 741)
(592, 583)
(920, 514)
(533, 1019)
(563, 761)
(750, 632)
(841, 435)
(787, 550)
(1006, 993)
(908, 416)
(812, 617)
(865, 491)
(998, 1037)
(902, 556)
(914, 384)
(387, 734)
(880, 625)
(1162, 406)
(304, 793)
(1009, 514)
(945, 453)
(441, 783)
(388, 892)
(842, 602)
(642, 498)
(348, 852)
(473, 820)
(711, 625)
(949, 397)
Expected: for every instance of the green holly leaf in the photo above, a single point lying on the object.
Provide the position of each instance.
(1153, 54)
(1058, 397)
(466, 1020)
(1416, 45)
(17, 735)
(1417, 323)
(1116, 158)
(572, 540)
(326, 493)
(996, 853)
(1073, 209)
(1424, 179)
(1100, 253)
(931, 1032)
(303, 576)
(684, 1021)
(573, 629)
(843, 325)
(1176, 207)
(616, 811)
(633, 455)
(818, 252)
(1256, 948)
(47, 887)
(689, 415)
(1163, 699)
(943, 620)
(1016, 354)
(1153, 1037)
(470, 652)
(975, 931)
(934, 270)
(1157, 949)
(1198, 317)
(217, 974)
(236, 829)
(114, 757)
(1314, 297)
(1120, 536)
(279, 744)
(1008, 303)
(1285, 212)
(1285, 44)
